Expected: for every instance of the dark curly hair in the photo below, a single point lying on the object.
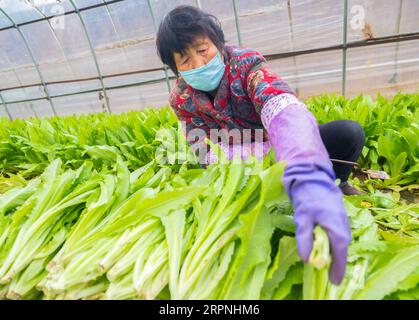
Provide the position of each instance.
(179, 29)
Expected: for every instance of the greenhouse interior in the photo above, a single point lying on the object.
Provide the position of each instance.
(94, 205)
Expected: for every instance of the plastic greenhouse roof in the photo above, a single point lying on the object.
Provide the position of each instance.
(77, 56)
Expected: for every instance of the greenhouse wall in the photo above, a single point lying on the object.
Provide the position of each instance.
(65, 57)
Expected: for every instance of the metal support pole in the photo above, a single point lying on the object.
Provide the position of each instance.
(394, 79)
(21, 86)
(92, 50)
(33, 59)
(114, 28)
(294, 59)
(55, 37)
(236, 18)
(47, 19)
(3, 102)
(166, 74)
(345, 48)
(118, 36)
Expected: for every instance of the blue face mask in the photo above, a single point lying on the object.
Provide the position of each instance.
(206, 78)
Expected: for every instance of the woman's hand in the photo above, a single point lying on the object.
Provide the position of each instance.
(318, 201)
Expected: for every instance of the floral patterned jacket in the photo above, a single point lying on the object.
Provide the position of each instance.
(246, 86)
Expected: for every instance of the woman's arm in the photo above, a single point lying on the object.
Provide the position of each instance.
(309, 176)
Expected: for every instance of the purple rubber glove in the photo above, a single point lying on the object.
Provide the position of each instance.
(308, 179)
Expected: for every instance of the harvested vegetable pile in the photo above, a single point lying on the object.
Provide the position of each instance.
(88, 212)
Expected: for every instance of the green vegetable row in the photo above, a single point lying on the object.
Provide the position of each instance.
(28, 146)
(391, 130)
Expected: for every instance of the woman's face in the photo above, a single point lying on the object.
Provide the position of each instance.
(196, 55)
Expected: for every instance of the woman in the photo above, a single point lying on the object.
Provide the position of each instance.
(221, 86)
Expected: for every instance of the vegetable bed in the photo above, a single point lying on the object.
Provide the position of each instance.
(88, 211)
